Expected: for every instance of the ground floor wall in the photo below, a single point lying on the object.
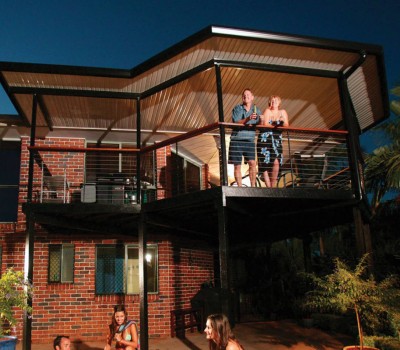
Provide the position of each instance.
(76, 310)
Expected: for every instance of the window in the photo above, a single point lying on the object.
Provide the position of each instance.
(109, 269)
(10, 154)
(61, 263)
(132, 269)
(117, 269)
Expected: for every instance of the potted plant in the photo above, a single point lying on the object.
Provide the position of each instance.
(347, 289)
(15, 292)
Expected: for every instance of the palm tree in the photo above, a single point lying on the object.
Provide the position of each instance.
(382, 172)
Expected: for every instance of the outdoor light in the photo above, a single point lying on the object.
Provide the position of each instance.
(148, 257)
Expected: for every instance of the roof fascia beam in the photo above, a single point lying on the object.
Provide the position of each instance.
(40, 68)
(297, 40)
(73, 92)
(281, 69)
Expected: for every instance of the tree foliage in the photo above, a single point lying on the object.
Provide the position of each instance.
(15, 292)
(382, 172)
(373, 303)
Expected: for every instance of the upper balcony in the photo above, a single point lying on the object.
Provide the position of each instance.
(180, 102)
(93, 186)
(312, 159)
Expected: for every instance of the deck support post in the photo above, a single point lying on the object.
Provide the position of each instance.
(222, 145)
(224, 270)
(139, 154)
(30, 231)
(144, 325)
(363, 235)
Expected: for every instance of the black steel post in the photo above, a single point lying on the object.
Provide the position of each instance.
(144, 330)
(353, 141)
(355, 161)
(223, 247)
(352, 127)
(226, 296)
(223, 160)
(30, 232)
(138, 155)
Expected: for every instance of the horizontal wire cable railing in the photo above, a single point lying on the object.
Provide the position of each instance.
(91, 175)
(306, 158)
(186, 163)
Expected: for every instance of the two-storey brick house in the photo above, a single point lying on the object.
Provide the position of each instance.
(124, 191)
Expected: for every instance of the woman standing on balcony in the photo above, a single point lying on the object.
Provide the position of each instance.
(269, 144)
(122, 330)
(219, 334)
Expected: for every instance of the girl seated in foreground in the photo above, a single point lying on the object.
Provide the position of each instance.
(219, 334)
(122, 330)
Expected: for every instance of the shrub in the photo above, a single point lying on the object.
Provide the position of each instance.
(15, 292)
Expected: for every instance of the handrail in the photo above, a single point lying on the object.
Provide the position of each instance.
(8, 186)
(336, 174)
(178, 138)
(288, 128)
(76, 149)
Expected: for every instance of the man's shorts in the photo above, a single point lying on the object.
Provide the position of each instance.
(239, 149)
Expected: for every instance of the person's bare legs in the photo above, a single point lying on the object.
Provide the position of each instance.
(266, 179)
(238, 174)
(275, 171)
(252, 172)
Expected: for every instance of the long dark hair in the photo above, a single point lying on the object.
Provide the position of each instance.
(222, 332)
(114, 326)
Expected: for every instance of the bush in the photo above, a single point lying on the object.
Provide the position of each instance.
(383, 343)
(375, 304)
(335, 323)
(15, 292)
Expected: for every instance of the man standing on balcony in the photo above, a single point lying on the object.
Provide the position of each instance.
(242, 143)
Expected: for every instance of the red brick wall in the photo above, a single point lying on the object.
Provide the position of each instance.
(74, 309)
(164, 182)
(73, 162)
(205, 175)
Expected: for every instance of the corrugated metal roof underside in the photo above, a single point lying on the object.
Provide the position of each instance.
(311, 102)
(177, 99)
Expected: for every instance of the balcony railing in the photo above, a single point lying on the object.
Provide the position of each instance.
(310, 158)
(189, 162)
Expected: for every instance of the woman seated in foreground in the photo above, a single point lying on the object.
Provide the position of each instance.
(219, 334)
(122, 330)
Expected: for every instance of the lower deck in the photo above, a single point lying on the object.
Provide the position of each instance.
(247, 214)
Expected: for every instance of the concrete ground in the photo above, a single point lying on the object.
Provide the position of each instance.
(271, 335)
